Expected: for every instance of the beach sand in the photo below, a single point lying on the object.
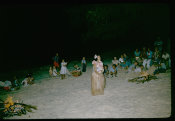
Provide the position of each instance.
(71, 98)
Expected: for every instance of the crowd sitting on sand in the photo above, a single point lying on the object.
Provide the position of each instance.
(145, 62)
(15, 84)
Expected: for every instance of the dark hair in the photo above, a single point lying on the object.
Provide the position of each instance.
(29, 75)
(113, 65)
(106, 66)
(95, 59)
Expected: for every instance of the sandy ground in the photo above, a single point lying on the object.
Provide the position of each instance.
(71, 98)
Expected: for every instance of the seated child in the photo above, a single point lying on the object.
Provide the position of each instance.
(106, 71)
(54, 72)
(113, 70)
(28, 80)
(24, 82)
(50, 72)
(77, 71)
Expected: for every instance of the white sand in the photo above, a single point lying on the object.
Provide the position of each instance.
(71, 98)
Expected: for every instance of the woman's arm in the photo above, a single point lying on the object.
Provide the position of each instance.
(95, 69)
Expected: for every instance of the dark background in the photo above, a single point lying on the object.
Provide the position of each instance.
(32, 34)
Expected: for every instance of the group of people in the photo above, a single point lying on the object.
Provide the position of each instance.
(56, 70)
(15, 84)
(142, 60)
(146, 62)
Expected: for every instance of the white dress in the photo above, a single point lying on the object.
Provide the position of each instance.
(63, 68)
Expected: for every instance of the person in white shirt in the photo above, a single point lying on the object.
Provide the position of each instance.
(166, 58)
(25, 82)
(115, 61)
(54, 72)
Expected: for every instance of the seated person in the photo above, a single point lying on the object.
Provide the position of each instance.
(77, 71)
(133, 67)
(50, 72)
(147, 62)
(2, 83)
(137, 54)
(161, 68)
(122, 62)
(106, 71)
(28, 80)
(166, 57)
(156, 56)
(138, 68)
(121, 59)
(54, 72)
(127, 60)
(115, 61)
(124, 65)
(113, 70)
(15, 84)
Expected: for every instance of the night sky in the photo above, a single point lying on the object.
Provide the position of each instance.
(32, 34)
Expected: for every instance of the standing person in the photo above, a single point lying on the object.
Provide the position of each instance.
(83, 63)
(97, 78)
(56, 61)
(63, 69)
(133, 67)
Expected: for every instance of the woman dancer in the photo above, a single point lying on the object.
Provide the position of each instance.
(97, 78)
